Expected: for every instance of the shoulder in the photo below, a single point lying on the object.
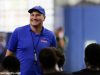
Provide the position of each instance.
(21, 29)
(46, 31)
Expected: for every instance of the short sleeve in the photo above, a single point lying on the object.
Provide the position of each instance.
(12, 44)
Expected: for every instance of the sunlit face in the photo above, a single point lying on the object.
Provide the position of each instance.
(36, 18)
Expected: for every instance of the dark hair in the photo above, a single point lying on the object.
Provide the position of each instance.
(11, 63)
(61, 58)
(48, 58)
(92, 54)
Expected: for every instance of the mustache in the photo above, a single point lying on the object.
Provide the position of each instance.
(34, 20)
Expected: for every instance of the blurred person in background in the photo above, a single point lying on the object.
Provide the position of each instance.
(61, 39)
(12, 65)
(92, 60)
(49, 62)
(27, 41)
(2, 47)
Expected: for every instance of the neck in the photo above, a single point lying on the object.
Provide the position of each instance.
(36, 29)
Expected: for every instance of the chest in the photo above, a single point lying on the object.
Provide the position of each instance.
(34, 41)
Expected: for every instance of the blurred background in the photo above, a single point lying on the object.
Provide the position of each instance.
(77, 21)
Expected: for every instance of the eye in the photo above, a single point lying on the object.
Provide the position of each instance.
(38, 15)
(32, 14)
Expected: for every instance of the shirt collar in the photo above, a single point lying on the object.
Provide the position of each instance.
(42, 32)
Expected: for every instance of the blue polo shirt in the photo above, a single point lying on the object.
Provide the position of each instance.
(22, 44)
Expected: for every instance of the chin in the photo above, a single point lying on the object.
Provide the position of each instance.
(34, 24)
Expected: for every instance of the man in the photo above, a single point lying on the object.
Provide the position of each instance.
(48, 60)
(92, 60)
(27, 41)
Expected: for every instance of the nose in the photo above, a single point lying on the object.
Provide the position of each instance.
(34, 17)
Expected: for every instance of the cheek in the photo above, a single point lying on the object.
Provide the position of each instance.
(40, 19)
(43, 19)
(31, 19)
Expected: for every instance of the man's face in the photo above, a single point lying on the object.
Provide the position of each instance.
(36, 18)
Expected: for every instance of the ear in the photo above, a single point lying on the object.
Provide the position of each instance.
(44, 17)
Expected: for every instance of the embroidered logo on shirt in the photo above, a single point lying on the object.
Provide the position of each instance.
(44, 40)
